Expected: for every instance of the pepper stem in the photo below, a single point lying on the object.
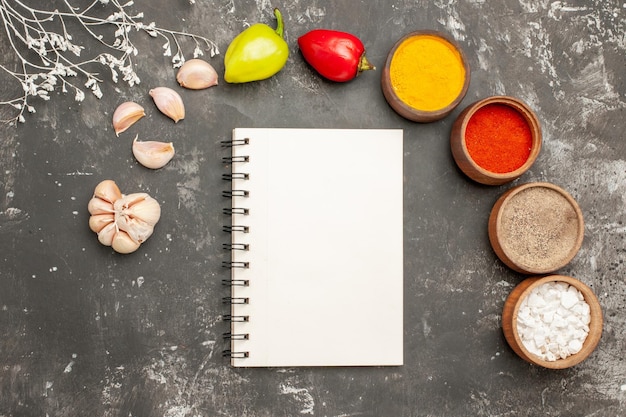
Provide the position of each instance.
(279, 25)
(364, 64)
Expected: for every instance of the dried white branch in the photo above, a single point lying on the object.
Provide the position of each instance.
(49, 58)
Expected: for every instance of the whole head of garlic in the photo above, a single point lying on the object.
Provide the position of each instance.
(122, 221)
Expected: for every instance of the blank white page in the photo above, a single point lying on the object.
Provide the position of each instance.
(325, 257)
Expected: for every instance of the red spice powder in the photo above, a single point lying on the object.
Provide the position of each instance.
(498, 138)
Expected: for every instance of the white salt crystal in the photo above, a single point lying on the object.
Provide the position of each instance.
(578, 309)
(536, 300)
(558, 322)
(555, 302)
(574, 346)
(548, 317)
(586, 309)
(532, 348)
(539, 339)
(553, 347)
(523, 316)
(569, 298)
(574, 320)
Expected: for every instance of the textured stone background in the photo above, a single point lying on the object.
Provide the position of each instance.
(84, 331)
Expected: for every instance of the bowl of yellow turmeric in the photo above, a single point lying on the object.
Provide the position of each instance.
(426, 75)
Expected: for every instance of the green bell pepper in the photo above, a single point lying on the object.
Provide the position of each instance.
(256, 53)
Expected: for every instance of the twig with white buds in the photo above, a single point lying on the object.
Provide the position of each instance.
(49, 58)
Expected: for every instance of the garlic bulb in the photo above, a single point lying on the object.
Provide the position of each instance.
(153, 154)
(168, 102)
(196, 74)
(125, 115)
(122, 221)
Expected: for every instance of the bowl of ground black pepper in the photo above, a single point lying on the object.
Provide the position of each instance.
(495, 140)
(426, 76)
(536, 228)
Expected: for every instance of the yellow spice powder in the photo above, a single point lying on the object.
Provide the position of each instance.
(427, 72)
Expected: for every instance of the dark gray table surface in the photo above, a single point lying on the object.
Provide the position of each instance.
(88, 332)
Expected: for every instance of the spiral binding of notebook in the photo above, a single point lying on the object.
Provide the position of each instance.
(235, 230)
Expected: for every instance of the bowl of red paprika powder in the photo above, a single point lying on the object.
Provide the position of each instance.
(495, 140)
(425, 77)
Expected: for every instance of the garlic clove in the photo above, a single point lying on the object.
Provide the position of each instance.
(128, 200)
(147, 210)
(140, 206)
(125, 115)
(196, 74)
(99, 221)
(107, 233)
(122, 243)
(153, 154)
(138, 230)
(108, 190)
(168, 102)
(99, 206)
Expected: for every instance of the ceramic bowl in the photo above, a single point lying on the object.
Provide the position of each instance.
(462, 156)
(407, 110)
(510, 316)
(536, 228)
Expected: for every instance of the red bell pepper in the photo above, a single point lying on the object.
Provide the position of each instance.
(337, 56)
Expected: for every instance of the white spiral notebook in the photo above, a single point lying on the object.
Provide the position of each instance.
(316, 253)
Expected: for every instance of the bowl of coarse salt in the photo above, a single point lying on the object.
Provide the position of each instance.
(553, 321)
